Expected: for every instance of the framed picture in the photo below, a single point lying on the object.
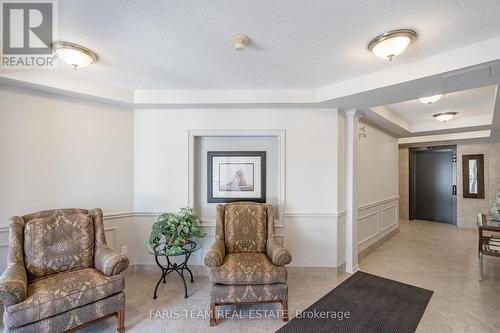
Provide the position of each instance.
(236, 176)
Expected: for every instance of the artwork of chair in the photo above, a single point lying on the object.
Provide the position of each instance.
(246, 261)
(61, 275)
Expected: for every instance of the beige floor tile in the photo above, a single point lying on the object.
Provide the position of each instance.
(435, 256)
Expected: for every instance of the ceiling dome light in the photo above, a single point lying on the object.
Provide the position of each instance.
(392, 43)
(444, 117)
(430, 99)
(74, 54)
(240, 42)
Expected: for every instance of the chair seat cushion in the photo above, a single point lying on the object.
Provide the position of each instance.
(221, 294)
(247, 268)
(76, 317)
(62, 292)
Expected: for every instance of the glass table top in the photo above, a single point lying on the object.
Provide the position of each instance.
(164, 249)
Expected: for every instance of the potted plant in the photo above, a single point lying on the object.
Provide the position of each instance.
(175, 230)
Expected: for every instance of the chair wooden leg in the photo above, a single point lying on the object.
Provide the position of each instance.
(120, 327)
(284, 303)
(213, 318)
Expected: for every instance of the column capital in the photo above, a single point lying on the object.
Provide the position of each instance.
(355, 113)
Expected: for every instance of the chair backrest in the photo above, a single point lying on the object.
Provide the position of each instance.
(244, 226)
(58, 240)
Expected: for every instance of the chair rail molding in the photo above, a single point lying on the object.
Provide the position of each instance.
(377, 203)
(112, 216)
(315, 214)
(280, 134)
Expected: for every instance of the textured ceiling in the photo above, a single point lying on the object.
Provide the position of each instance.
(185, 44)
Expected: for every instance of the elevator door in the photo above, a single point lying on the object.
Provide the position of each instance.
(434, 185)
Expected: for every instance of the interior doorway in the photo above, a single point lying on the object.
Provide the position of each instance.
(433, 184)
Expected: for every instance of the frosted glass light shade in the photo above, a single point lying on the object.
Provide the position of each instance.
(74, 54)
(443, 117)
(392, 43)
(430, 99)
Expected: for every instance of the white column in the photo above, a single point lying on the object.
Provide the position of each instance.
(351, 251)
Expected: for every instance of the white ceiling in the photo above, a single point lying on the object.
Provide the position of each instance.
(468, 103)
(184, 44)
(475, 107)
(308, 53)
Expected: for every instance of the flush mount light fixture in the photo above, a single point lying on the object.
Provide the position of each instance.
(240, 42)
(444, 117)
(430, 99)
(392, 43)
(74, 54)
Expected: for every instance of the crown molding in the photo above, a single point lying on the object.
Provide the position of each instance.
(362, 91)
(445, 137)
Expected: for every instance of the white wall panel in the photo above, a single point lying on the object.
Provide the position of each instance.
(378, 185)
(61, 152)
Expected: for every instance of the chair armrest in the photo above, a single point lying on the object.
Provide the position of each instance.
(215, 255)
(277, 252)
(109, 262)
(13, 285)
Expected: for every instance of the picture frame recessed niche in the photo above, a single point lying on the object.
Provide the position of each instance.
(280, 134)
(236, 176)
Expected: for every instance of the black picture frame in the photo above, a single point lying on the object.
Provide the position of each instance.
(212, 154)
(480, 176)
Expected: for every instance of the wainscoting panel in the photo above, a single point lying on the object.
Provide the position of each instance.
(389, 217)
(300, 236)
(110, 237)
(341, 241)
(312, 238)
(4, 247)
(368, 226)
(376, 220)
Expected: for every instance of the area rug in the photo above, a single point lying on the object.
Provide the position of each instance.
(364, 303)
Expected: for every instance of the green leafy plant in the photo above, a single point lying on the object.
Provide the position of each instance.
(175, 229)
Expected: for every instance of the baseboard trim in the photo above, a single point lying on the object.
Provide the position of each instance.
(371, 248)
(354, 269)
(198, 270)
(341, 269)
(201, 270)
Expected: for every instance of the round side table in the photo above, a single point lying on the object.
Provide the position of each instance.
(165, 250)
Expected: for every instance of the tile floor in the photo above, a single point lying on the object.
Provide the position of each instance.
(435, 256)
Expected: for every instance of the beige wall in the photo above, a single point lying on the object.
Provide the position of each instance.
(61, 152)
(467, 209)
(69, 152)
(311, 218)
(377, 166)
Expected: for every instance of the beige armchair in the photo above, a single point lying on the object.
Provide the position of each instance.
(246, 261)
(60, 274)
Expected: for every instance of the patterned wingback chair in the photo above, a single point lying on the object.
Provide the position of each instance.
(246, 261)
(60, 273)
